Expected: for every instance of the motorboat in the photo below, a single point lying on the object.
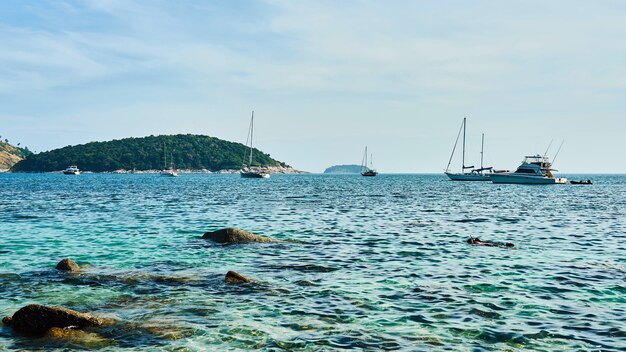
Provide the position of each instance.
(535, 169)
(368, 171)
(588, 182)
(72, 170)
(248, 170)
(476, 174)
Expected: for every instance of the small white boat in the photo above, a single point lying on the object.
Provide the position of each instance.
(535, 169)
(476, 174)
(72, 170)
(250, 171)
(368, 170)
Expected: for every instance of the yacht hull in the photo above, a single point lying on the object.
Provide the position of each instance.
(254, 175)
(468, 177)
(71, 172)
(526, 180)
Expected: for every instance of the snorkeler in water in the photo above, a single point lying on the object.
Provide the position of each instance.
(477, 242)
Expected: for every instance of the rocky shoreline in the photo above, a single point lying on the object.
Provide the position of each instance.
(86, 329)
(272, 170)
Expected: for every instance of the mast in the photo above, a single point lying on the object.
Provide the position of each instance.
(251, 135)
(463, 163)
(372, 161)
(482, 149)
(364, 161)
(454, 148)
(164, 156)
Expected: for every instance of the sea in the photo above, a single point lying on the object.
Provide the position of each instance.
(363, 263)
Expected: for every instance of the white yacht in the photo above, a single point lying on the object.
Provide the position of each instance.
(535, 169)
(476, 174)
(72, 170)
(248, 170)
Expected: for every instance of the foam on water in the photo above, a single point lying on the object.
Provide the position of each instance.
(370, 263)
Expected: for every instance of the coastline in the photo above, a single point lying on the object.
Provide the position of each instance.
(271, 169)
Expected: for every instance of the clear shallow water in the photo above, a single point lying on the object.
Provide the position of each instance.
(371, 263)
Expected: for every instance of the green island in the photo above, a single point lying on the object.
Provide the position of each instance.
(344, 169)
(183, 151)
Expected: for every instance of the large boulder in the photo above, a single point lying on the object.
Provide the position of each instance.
(37, 319)
(68, 265)
(235, 277)
(234, 235)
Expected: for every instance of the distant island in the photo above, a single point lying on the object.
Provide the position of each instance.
(10, 155)
(344, 169)
(185, 151)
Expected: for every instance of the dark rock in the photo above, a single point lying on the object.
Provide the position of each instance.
(37, 319)
(235, 277)
(68, 265)
(234, 235)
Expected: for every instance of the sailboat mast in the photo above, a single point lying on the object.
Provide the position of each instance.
(482, 148)
(464, 124)
(164, 156)
(371, 161)
(251, 135)
(365, 157)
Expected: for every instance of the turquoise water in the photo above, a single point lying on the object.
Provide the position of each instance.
(370, 263)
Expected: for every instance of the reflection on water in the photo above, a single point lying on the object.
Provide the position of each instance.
(372, 263)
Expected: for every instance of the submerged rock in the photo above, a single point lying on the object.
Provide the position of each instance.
(234, 235)
(37, 319)
(235, 277)
(78, 337)
(68, 265)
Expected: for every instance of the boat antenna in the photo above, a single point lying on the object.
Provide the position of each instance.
(482, 149)
(557, 152)
(549, 145)
(454, 148)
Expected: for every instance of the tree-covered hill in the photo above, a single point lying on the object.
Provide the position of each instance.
(186, 151)
(10, 154)
(344, 169)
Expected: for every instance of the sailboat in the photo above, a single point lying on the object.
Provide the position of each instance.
(249, 171)
(476, 174)
(168, 171)
(365, 170)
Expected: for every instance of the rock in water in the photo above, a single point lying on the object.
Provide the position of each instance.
(68, 265)
(78, 337)
(37, 319)
(235, 235)
(235, 277)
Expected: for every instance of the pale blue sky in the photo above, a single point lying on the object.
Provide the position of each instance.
(324, 77)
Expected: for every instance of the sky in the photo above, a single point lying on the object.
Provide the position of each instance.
(325, 78)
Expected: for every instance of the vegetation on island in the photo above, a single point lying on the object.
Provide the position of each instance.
(183, 151)
(10, 154)
(344, 169)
